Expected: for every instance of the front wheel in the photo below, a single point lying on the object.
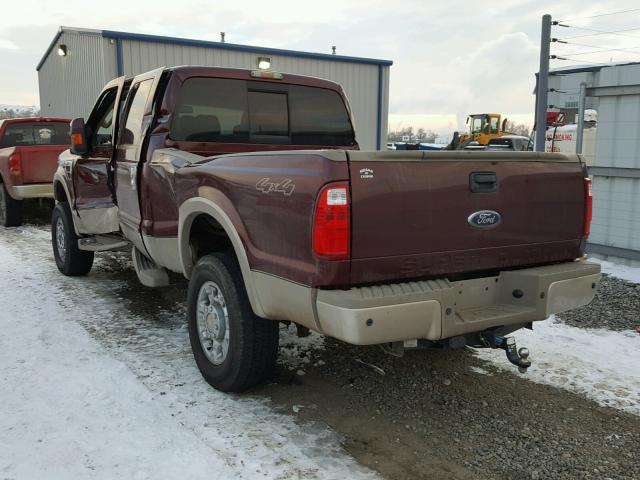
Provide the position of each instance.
(10, 209)
(233, 348)
(70, 260)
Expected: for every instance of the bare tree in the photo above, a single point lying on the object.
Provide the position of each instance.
(517, 128)
(421, 135)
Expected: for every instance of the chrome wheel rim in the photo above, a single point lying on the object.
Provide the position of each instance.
(60, 240)
(213, 322)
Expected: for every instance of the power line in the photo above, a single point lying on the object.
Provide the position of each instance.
(557, 57)
(602, 15)
(619, 33)
(558, 40)
(603, 51)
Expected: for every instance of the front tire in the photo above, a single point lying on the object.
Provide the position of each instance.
(70, 260)
(233, 348)
(10, 209)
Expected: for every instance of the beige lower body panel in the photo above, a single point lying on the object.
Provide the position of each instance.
(165, 251)
(439, 309)
(283, 300)
(382, 324)
(97, 221)
(23, 192)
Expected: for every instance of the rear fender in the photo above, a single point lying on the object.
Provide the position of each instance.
(188, 212)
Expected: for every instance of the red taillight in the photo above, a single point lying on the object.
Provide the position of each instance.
(331, 223)
(588, 206)
(15, 165)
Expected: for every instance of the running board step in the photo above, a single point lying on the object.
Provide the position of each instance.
(102, 243)
(149, 273)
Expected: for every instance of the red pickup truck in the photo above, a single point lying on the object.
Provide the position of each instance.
(251, 185)
(29, 149)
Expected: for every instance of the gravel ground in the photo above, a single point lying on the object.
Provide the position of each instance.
(428, 415)
(616, 307)
(495, 425)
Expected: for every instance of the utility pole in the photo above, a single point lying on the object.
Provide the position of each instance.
(581, 108)
(542, 91)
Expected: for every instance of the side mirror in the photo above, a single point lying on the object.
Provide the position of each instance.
(79, 144)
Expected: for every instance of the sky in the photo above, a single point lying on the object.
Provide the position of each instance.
(450, 58)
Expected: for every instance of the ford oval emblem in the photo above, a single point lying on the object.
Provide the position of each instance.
(484, 219)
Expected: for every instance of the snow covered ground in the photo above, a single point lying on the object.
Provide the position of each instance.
(601, 364)
(625, 272)
(74, 408)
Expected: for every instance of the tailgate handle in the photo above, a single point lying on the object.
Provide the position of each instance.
(483, 182)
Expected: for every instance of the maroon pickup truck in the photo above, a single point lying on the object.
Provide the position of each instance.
(29, 149)
(251, 185)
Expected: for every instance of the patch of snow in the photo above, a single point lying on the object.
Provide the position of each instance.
(296, 352)
(90, 390)
(625, 272)
(481, 371)
(600, 364)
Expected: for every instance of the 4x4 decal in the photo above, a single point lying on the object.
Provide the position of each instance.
(286, 186)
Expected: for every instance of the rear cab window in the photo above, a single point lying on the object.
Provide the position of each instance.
(240, 111)
(35, 133)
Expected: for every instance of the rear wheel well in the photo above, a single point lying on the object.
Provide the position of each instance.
(208, 236)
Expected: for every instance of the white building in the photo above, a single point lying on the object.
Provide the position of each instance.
(78, 63)
(613, 90)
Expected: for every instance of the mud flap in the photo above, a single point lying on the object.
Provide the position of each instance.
(149, 274)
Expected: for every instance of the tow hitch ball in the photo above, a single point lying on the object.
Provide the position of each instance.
(520, 358)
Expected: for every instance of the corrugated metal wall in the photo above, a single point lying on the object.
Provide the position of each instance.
(69, 85)
(360, 81)
(616, 217)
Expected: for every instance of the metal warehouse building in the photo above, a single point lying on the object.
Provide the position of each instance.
(79, 62)
(614, 91)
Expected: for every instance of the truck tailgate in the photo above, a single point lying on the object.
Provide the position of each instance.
(39, 162)
(413, 212)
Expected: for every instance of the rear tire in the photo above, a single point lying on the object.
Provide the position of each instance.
(233, 348)
(70, 260)
(10, 209)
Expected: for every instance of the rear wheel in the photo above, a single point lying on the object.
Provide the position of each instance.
(10, 209)
(233, 348)
(70, 260)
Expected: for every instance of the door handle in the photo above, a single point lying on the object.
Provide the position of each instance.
(483, 182)
(133, 176)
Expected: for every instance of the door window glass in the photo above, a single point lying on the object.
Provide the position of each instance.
(133, 125)
(494, 124)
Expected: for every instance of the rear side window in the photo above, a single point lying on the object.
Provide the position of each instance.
(36, 133)
(133, 125)
(239, 111)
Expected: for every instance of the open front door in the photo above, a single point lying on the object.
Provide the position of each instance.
(136, 119)
(93, 200)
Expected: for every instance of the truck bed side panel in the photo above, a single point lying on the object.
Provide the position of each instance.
(273, 196)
